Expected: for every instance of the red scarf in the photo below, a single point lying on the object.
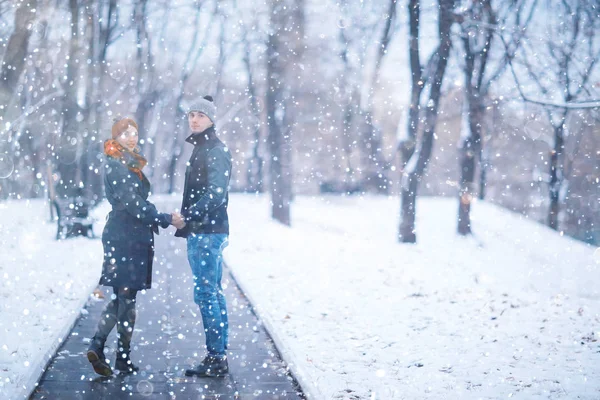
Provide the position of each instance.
(134, 160)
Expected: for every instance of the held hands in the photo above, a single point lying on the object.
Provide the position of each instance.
(177, 220)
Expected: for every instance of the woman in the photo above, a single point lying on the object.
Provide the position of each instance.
(128, 243)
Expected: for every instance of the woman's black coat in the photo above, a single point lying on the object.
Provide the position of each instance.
(128, 238)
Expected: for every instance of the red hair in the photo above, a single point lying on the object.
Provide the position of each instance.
(121, 126)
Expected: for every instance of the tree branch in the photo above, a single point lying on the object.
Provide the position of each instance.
(571, 105)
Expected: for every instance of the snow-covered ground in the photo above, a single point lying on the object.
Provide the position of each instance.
(512, 312)
(44, 283)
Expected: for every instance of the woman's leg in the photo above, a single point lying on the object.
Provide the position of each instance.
(126, 315)
(108, 319)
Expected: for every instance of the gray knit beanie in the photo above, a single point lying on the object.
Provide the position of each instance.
(204, 105)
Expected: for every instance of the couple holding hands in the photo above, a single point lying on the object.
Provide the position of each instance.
(128, 237)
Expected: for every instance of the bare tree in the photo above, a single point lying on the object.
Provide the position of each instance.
(13, 62)
(283, 50)
(378, 166)
(347, 95)
(147, 84)
(78, 145)
(194, 52)
(101, 32)
(417, 164)
(480, 25)
(570, 52)
(68, 146)
(254, 173)
(358, 27)
(407, 143)
(218, 83)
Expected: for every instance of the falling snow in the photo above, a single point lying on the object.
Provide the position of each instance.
(414, 192)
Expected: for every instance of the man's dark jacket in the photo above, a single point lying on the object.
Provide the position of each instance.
(206, 189)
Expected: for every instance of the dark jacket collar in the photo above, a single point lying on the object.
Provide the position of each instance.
(198, 139)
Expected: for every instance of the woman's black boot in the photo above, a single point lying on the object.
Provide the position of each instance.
(96, 357)
(124, 363)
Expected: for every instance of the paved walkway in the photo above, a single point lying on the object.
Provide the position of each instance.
(169, 338)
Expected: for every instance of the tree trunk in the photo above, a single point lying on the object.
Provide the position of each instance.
(69, 148)
(91, 165)
(222, 59)
(470, 151)
(146, 92)
(407, 145)
(483, 166)
(194, 52)
(155, 127)
(556, 175)
(376, 163)
(477, 42)
(347, 145)
(176, 150)
(146, 103)
(347, 98)
(283, 52)
(417, 164)
(484, 161)
(280, 195)
(470, 142)
(376, 173)
(254, 176)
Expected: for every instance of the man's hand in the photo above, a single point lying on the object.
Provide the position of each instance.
(177, 220)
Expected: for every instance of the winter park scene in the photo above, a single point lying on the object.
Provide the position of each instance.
(299, 199)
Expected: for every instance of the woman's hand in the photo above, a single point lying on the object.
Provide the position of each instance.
(177, 220)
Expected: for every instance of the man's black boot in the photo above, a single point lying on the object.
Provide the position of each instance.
(211, 366)
(96, 357)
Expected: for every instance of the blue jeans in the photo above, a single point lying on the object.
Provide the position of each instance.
(205, 254)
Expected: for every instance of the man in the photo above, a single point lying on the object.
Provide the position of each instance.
(205, 225)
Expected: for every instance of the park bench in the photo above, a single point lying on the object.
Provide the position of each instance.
(72, 217)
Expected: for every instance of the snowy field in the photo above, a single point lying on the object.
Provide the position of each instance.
(511, 313)
(44, 285)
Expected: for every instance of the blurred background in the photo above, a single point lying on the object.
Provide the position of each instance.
(477, 100)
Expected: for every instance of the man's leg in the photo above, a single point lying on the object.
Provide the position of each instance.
(221, 295)
(203, 250)
(203, 255)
